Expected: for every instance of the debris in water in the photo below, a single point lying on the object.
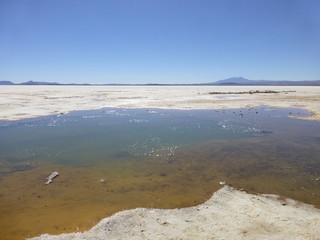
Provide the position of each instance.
(51, 177)
(151, 111)
(103, 180)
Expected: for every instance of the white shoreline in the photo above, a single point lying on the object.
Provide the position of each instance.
(18, 102)
(228, 214)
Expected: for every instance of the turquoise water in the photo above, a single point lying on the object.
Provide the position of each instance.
(87, 137)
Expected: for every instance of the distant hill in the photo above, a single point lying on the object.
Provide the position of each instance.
(234, 80)
(39, 83)
(244, 81)
(6, 83)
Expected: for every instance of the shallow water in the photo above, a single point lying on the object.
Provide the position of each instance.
(113, 159)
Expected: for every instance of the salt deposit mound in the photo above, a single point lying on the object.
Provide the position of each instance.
(229, 214)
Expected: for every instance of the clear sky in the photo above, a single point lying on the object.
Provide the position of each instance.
(158, 41)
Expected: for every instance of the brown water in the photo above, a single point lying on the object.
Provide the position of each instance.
(169, 159)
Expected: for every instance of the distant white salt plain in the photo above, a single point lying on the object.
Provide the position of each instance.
(20, 102)
(228, 214)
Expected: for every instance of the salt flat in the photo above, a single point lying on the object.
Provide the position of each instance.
(18, 102)
(229, 214)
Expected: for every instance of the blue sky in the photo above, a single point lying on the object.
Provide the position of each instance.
(158, 41)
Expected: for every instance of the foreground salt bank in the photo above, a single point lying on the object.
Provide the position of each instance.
(229, 214)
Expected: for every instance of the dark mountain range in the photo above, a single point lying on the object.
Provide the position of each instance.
(237, 81)
(244, 81)
(6, 83)
(39, 83)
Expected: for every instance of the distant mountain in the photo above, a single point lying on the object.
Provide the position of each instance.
(39, 83)
(6, 83)
(244, 81)
(234, 80)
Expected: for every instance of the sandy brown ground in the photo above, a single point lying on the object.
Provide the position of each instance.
(17, 102)
(229, 214)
